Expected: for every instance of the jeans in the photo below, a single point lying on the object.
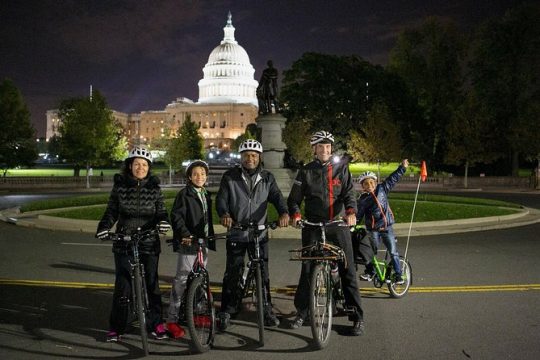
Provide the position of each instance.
(183, 268)
(389, 241)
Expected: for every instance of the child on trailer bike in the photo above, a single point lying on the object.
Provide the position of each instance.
(135, 202)
(327, 190)
(374, 207)
(242, 198)
(191, 218)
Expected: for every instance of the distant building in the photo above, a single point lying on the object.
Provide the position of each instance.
(227, 102)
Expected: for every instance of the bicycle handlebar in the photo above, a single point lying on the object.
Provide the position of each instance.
(132, 237)
(303, 223)
(258, 227)
(204, 240)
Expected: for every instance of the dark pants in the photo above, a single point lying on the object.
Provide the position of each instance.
(236, 251)
(340, 236)
(122, 296)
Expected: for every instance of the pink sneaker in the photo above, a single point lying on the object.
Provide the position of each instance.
(160, 333)
(113, 336)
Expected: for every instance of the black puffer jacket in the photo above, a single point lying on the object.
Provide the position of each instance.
(135, 203)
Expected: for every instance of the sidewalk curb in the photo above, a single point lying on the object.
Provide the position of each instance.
(525, 216)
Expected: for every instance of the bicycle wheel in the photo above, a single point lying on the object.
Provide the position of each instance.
(320, 305)
(141, 308)
(398, 291)
(260, 302)
(200, 314)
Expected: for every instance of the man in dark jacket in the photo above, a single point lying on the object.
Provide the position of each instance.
(136, 202)
(243, 197)
(327, 190)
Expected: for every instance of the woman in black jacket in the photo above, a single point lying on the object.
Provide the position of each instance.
(135, 202)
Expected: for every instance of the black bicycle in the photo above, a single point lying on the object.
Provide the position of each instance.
(251, 283)
(325, 284)
(197, 301)
(139, 292)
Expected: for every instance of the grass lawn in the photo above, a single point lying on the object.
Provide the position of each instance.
(429, 207)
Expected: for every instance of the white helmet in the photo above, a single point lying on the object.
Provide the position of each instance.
(250, 145)
(140, 152)
(367, 175)
(321, 137)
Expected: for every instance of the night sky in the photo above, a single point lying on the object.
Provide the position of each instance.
(143, 54)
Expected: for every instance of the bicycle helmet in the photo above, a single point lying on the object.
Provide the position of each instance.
(195, 163)
(250, 145)
(140, 152)
(323, 137)
(367, 175)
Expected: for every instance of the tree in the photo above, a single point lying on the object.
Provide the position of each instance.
(296, 136)
(506, 77)
(17, 135)
(336, 94)
(469, 137)
(89, 135)
(379, 139)
(186, 145)
(430, 60)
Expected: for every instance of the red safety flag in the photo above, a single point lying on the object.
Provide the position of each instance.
(423, 171)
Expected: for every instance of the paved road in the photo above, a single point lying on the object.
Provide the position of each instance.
(475, 295)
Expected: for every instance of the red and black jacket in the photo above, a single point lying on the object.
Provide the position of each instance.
(327, 190)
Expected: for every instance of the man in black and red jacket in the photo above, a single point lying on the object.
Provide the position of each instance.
(327, 190)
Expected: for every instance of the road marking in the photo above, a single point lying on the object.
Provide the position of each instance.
(287, 290)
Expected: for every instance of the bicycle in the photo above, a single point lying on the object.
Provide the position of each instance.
(197, 301)
(325, 284)
(251, 282)
(139, 292)
(385, 273)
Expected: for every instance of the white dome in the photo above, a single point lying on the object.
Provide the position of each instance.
(228, 75)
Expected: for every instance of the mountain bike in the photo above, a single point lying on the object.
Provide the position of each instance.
(251, 283)
(385, 273)
(325, 284)
(139, 293)
(197, 301)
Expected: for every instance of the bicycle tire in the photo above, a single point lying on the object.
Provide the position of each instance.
(320, 305)
(141, 309)
(399, 291)
(200, 314)
(260, 302)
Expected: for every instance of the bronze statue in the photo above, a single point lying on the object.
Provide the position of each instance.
(267, 91)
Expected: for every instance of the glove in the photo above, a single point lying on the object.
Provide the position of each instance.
(163, 227)
(103, 235)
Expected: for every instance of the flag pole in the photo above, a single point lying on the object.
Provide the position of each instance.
(412, 217)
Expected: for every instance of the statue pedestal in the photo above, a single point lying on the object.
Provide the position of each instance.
(271, 126)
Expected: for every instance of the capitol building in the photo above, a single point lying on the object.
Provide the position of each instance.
(227, 102)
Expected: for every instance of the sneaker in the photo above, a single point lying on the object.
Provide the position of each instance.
(175, 330)
(113, 336)
(358, 328)
(224, 320)
(297, 322)
(366, 277)
(270, 319)
(399, 280)
(160, 333)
